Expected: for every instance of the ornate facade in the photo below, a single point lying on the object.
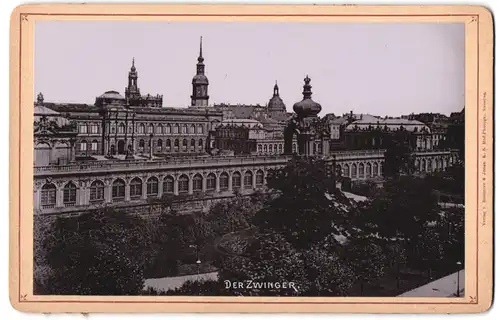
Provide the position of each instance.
(126, 150)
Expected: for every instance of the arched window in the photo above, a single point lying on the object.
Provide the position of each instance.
(259, 178)
(176, 143)
(121, 128)
(354, 170)
(197, 182)
(184, 144)
(199, 129)
(236, 181)
(191, 129)
(135, 188)
(193, 143)
(83, 145)
(369, 172)
(141, 144)
(69, 194)
(361, 171)
(159, 129)
(280, 147)
(211, 182)
(345, 170)
(168, 143)
(141, 128)
(265, 148)
(152, 187)
(168, 185)
(95, 145)
(200, 143)
(183, 184)
(168, 129)
(248, 180)
(48, 195)
(417, 165)
(259, 148)
(176, 128)
(97, 191)
(275, 148)
(429, 165)
(159, 144)
(375, 169)
(118, 190)
(184, 129)
(150, 128)
(224, 181)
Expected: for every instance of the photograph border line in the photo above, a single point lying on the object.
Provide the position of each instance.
(23, 298)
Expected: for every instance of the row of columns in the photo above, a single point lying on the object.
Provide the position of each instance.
(83, 192)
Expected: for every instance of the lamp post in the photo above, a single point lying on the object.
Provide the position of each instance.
(198, 261)
(458, 278)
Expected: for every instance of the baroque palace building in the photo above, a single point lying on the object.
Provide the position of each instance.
(126, 150)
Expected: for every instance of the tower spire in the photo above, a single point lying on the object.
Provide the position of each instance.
(200, 58)
(133, 64)
(276, 89)
(199, 98)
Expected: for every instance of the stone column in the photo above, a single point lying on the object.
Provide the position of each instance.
(190, 184)
(254, 179)
(204, 183)
(127, 191)
(217, 182)
(36, 199)
(107, 193)
(160, 187)
(176, 186)
(144, 189)
(59, 197)
(230, 182)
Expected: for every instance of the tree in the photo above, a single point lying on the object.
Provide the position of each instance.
(268, 259)
(102, 252)
(403, 210)
(307, 206)
(328, 272)
(367, 260)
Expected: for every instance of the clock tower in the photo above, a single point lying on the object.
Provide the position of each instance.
(199, 97)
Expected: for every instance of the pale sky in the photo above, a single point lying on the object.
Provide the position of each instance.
(376, 68)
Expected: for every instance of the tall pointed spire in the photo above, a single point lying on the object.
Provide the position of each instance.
(200, 58)
(133, 65)
(199, 97)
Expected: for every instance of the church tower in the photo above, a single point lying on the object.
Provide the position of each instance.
(132, 91)
(199, 97)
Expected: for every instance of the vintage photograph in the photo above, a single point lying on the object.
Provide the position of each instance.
(220, 158)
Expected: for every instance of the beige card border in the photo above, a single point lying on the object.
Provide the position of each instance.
(479, 153)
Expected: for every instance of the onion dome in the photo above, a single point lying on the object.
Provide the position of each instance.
(276, 103)
(307, 107)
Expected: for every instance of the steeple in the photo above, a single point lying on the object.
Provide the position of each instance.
(132, 69)
(132, 90)
(307, 93)
(200, 58)
(200, 66)
(199, 97)
(276, 89)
